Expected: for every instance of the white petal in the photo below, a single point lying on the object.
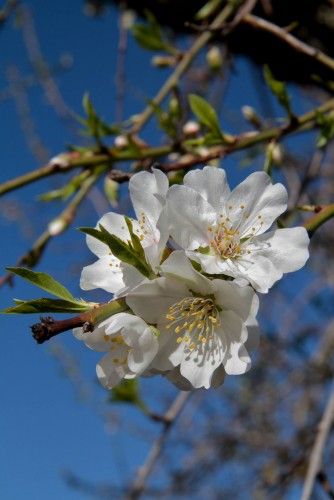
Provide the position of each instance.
(190, 215)
(115, 224)
(234, 333)
(178, 266)
(238, 361)
(144, 350)
(110, 374)
(211, 264)
(95, 340)
(167, 346)
(241, 300)
(131, 278)
(211, 184)
(259, 197)
(151, 300)
(148, 193)
(102, 275)
(262, 274)
(199, 365)
(287, 249)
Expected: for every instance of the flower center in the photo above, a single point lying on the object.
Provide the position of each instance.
(225, 241)
(193, 319)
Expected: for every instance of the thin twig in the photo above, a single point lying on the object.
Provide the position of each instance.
(315, 461)
(112, 155)
(182, 67)
(295, 43)
(64, 219)
(146, 469)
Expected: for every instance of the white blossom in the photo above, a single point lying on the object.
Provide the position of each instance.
(130, 345)
(202, 322)
(148, 194)
(225, 231)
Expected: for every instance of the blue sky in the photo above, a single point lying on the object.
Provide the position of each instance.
(45, 428)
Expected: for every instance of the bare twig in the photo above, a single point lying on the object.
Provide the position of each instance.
(182, 67)
(56, 227)
(318, 447)
(146, 469)
(112, 155)
(295, 43)
(49, 327)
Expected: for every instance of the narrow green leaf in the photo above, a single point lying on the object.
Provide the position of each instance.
(278, 88)
(119, 248)
(43, 281)
(135, 241)
(205, 114)
(207, 10)
(326, 129)
(45, 305)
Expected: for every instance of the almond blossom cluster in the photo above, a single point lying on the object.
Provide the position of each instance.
(201, 252)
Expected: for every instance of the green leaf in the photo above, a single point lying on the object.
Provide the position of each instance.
(207, 10)
(205, 114)
(326, 126)
(111, 190)
(44, 305)
(150, 35)
(128, 392)
(167, 121)
(278, 88)
(94, 125)
(67, 190)
(43, 281)
(119, 249)
(135, 241)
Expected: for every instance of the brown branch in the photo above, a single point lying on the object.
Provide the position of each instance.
(68, 161)
(168, 420)
(259, 23)
(49, 327)
(318, 447)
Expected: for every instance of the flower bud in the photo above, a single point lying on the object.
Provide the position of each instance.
(190, 128)
(56, 226)
(250, 115)
(121, 141)
(277, 153)
(163, 61)
(214, 58)
(61, 160)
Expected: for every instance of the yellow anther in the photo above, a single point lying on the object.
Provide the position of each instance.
(179, 340)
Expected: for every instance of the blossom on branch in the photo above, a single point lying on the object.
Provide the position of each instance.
(130, 344)
(148, 195)
(225, 231)
(202, 323)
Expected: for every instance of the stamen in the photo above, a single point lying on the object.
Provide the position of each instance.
(196, 317)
